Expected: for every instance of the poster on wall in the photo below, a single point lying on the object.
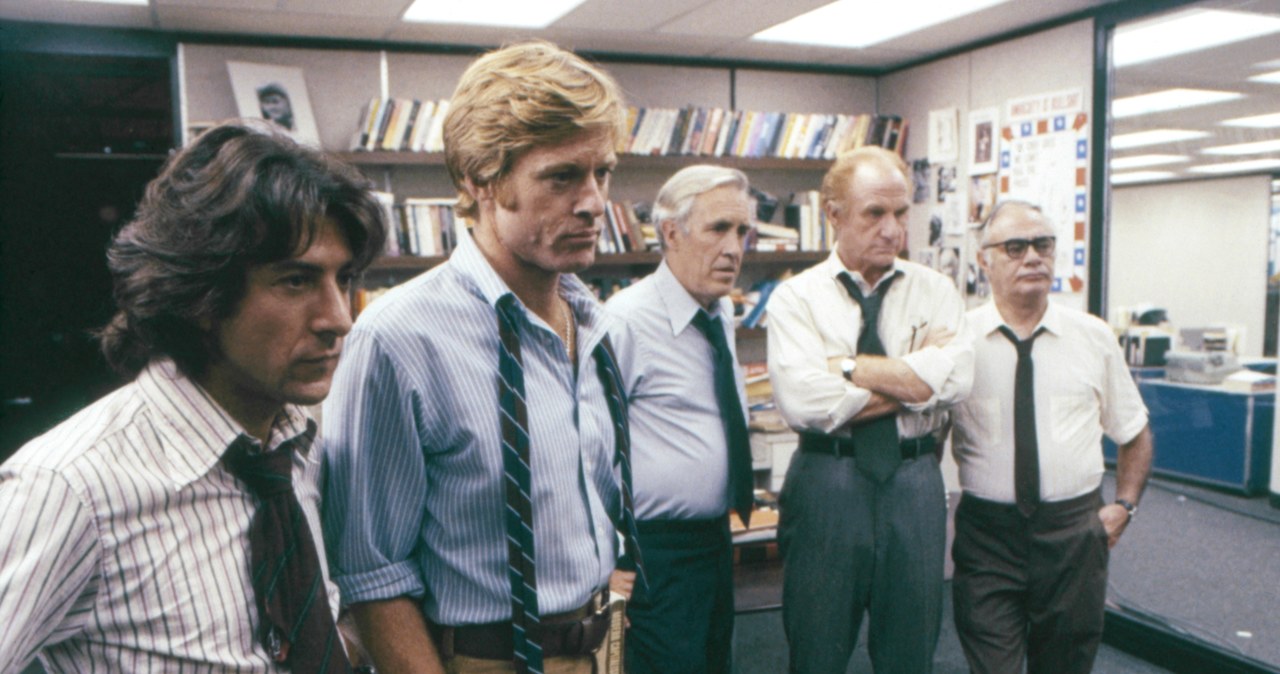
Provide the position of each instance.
(1045, 160)
(275, 93)
(983, 141)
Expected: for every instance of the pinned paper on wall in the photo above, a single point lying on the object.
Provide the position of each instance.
(943, 135)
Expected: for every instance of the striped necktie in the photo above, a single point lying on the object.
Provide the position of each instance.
(515, 460)
(296, 626)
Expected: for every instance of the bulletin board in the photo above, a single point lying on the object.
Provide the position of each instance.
(1046, 161)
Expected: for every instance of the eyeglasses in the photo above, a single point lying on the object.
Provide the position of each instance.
(1016, 248)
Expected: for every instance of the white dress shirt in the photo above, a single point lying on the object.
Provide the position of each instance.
(679, 454)
(1082, 387)
(812, 319)
(127, 542)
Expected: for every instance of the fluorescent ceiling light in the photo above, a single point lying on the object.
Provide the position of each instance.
(852, 24)
(506, 13)
(1169, 99)
(1269, 121)
(1272, 77)
(1258, 147)
(1187, 31)
(1142, 160)
(1238, 166)
(1153, 137)
(1139, 177)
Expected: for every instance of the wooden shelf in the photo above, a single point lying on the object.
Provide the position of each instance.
(626, 161)
(412, 263)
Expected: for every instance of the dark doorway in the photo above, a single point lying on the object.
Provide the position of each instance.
(80, 136)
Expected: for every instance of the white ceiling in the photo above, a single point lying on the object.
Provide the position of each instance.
(1224, 68)
(709, 29)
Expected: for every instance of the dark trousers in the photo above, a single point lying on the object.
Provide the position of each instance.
(1030, 588)
(684, 622)
(850, 545)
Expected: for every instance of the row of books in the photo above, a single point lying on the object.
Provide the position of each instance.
(411, 125)
(626, 229)
(401, 124)
(716, 132)
(421, 226)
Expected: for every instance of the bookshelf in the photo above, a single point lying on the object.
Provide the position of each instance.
(672, 163)
(613, 261)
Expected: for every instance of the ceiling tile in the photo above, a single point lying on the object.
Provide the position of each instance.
(200, 20)
(737, 18)
(625, 15)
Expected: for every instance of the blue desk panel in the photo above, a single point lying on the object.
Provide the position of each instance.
(1208, 435)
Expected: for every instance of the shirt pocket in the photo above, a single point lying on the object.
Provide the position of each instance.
(1073, 417)
(978, 421)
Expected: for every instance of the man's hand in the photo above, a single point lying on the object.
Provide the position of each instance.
(938, 338)
(622, 582)
(1114, 519)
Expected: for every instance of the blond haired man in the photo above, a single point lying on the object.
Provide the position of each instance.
(472, 495)
(864, 366)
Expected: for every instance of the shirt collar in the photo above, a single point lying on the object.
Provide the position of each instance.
(834, 267)
(987, 320)
(476, 272)
(680, 306)
(195, 431)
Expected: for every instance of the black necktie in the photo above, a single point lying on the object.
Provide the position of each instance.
(515, 460)
(296, 625)
(741, 478)
(876, 441)
(1026, 448)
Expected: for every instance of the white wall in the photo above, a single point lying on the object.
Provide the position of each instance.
(1052, 60)
(1198, 249)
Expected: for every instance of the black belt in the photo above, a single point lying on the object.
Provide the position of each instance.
(844, 447)
(577, 632)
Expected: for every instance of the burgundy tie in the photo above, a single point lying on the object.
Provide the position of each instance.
(296, 626)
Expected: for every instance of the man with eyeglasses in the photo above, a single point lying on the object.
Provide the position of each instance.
(864, 366)
(1032, 532)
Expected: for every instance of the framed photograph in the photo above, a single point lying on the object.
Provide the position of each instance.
(983, 140)
(275, 93)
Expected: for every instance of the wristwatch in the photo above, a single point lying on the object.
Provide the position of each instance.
(846, 368)
(1128, 507)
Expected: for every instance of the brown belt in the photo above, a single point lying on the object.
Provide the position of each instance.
(577, 632)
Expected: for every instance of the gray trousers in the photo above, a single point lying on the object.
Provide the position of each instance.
(850, 545)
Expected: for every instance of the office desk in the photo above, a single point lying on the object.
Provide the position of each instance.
(1209, 435)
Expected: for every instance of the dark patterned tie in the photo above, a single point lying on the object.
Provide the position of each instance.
(519, 511)
(875, 442)
(515, 460)
(741, 478)
(1026, 446)
(624, 521)
(296, 625)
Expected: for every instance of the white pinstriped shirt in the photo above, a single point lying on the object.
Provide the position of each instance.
(124, 542)
(415, 494)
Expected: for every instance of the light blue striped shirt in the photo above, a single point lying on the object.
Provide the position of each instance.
(414, 488)
(679, 455)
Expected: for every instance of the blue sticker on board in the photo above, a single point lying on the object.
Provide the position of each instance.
(1057, 285)
(1079, 257)
(1005, 159)
(1082, 148)
(1026, 128)
(1059, 123)
(1080, 203)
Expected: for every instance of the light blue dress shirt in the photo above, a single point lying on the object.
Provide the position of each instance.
(679, 455)
(415, 497)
